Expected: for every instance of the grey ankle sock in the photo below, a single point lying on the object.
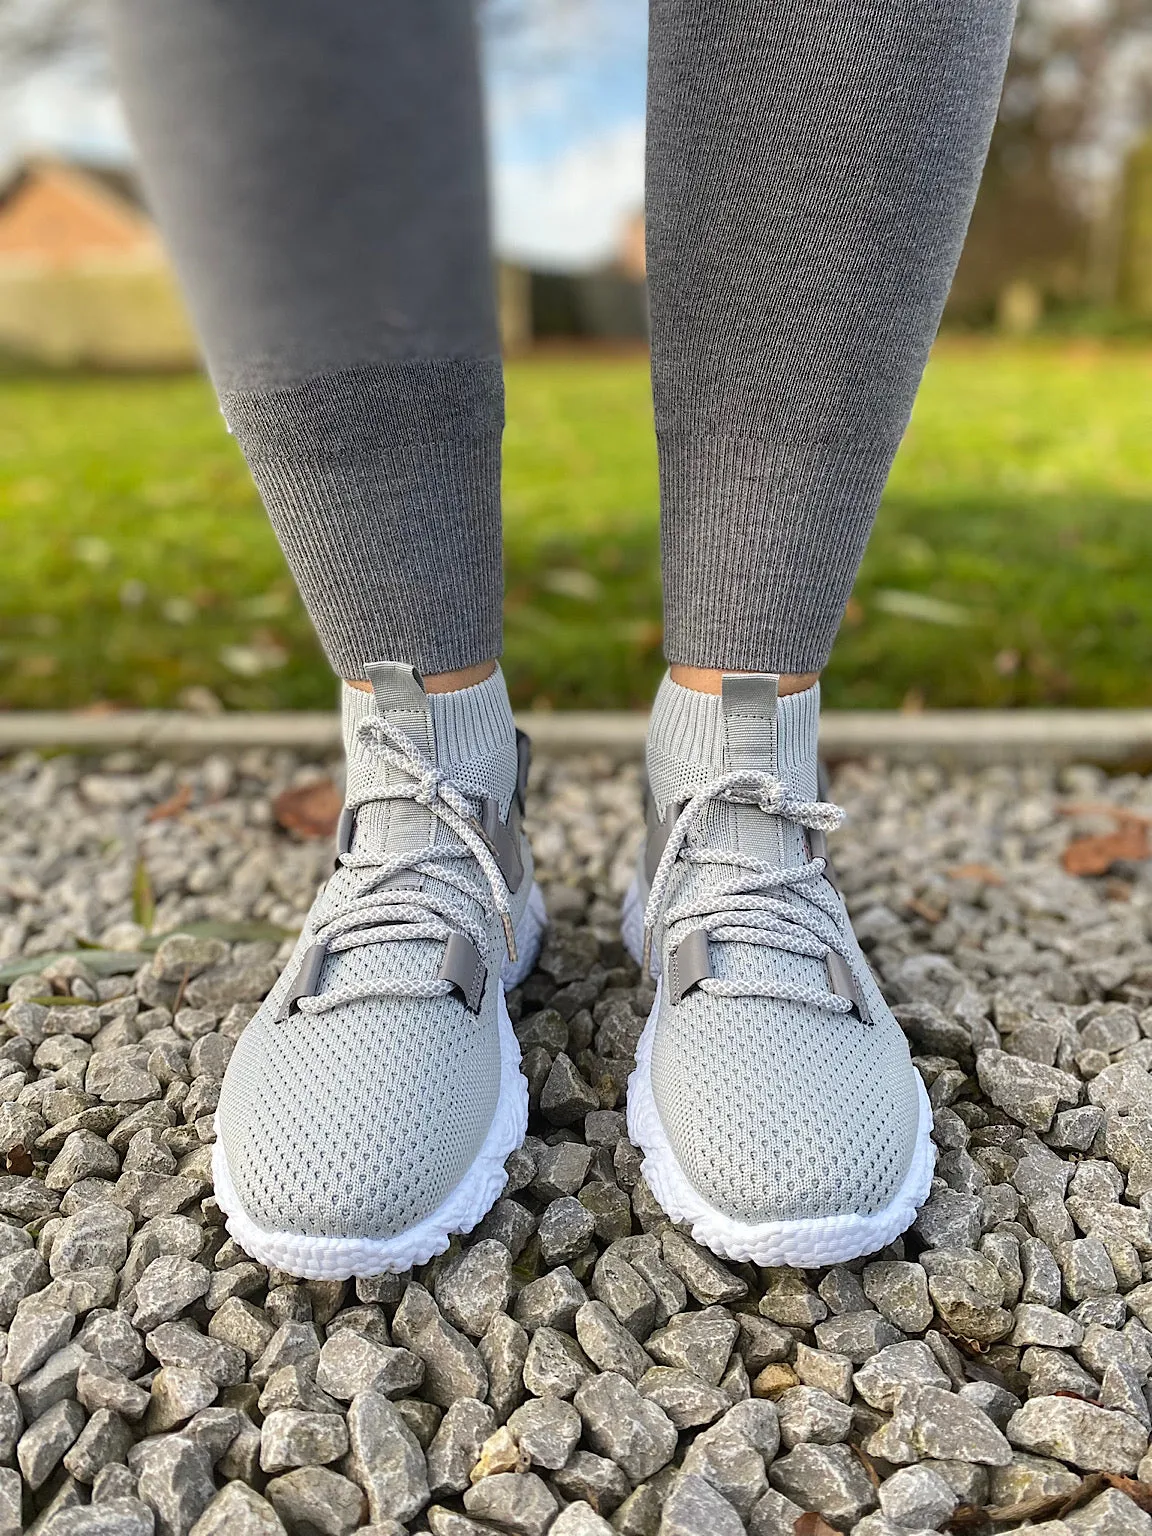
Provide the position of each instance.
(689, 727)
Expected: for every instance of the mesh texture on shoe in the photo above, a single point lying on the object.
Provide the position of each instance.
(359, 1121)
(776, 1110)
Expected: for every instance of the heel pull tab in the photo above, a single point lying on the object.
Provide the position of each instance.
(396, 686)
(748, 703)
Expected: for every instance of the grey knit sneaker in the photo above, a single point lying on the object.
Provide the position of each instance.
(369, 1106)
(774, 1096)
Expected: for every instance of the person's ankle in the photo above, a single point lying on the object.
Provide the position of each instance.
(441, 682)
(710, 679)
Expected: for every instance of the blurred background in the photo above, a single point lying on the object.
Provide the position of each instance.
(1012, 559)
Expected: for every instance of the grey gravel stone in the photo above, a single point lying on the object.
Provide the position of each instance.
(385, 1458)
(927, 1421)
(593, 1478)
(293, 1437)
(694, 1508)
(238, 1510)
(774, 1515)
(350, 1363)
(175, 1479)
(608, 1344)
(182, 1344)
(504, 1349)
(552, 1301)
(829, 1479)
(705, 1276)
(564, 1230)
(917, 1496)
(899, 1292)
(105, 1438)
(547, 1430)
(167, 1288)
(475, 1287)
(1027, 1090)
(630, 1430)
(624, 1290)
(178, 1391)
(700, 1342)
(42, 1446)
(452, 1365)
(455, 1447)
(897, 1366)
(1094, 1439)
(1111, 1513)
(808, 1414)
(555, 1365)
(1030, 1477)
(686, 1398)
(520, 1502)
(580, 1519)
(316, 1499)
(114, 1517)
(856, 1335)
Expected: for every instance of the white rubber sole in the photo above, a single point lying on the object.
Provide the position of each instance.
(345, 1258)
(805, 1244)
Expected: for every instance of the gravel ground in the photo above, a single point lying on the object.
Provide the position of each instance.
(577, 1366)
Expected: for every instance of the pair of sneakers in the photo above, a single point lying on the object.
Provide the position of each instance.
(370, 1105)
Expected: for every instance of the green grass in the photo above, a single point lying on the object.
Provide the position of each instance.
(1011, 564)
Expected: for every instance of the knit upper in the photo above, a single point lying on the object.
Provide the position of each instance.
(776, 1109)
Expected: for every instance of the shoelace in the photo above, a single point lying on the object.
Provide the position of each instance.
(392, 916)
(744, 909)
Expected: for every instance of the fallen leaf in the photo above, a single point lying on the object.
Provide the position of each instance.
(176, 803)
(966, 1517)
(1137, 1490)
(19, 1161)
(312, 810)
(1095, 855)
(869, 1466)
(180, 990)
(813, 1524)
(922, 909)
(982, 872)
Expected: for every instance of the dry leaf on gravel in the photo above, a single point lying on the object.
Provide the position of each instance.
(1096, 854)
(1053, 1506)
(19, 1160)
(814, 1525)
(311, 811)
(176, 803)
(982, 872)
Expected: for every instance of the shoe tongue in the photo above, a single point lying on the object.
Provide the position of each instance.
(748, 705)
(388, 826)
(470, 734)
(695, 737)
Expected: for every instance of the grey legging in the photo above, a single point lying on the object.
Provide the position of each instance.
(318, 168)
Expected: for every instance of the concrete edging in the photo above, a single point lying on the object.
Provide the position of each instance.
(1108, 736)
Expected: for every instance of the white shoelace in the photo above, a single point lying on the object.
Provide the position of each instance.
(392, 916)
(744, 909)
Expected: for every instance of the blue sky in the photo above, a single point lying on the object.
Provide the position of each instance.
(565, 121)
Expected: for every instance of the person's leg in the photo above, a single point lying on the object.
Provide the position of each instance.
(319, 172)
(811, 169)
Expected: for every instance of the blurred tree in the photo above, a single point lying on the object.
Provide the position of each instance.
(1075, 98)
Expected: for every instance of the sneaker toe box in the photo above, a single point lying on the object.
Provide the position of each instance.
(357, 1122)
(781, 1112)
